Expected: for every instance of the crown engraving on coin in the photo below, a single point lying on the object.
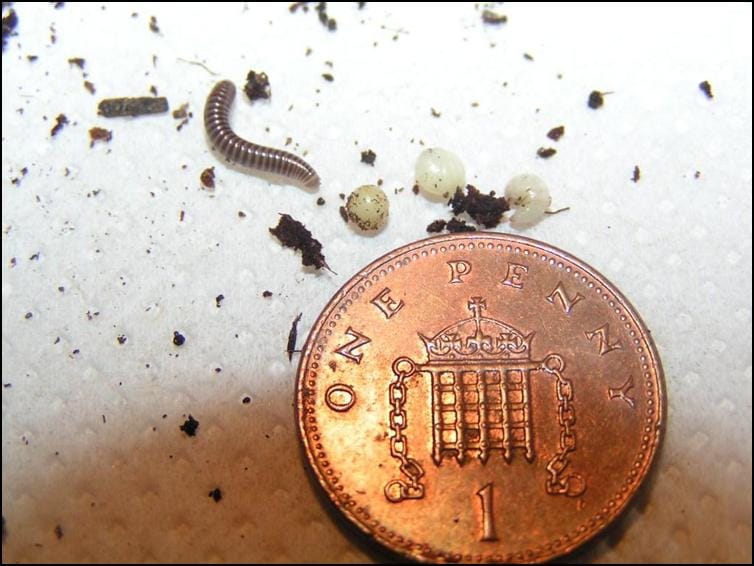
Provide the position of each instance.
(480, 369)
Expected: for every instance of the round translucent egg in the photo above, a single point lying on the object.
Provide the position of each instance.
(529, 196)
(368, 207)
(439, 172)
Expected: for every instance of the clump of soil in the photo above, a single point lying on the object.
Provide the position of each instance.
(486, 210)
(293, 234)
(257, 86)
(595, 99)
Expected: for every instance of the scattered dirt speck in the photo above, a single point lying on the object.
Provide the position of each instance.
(190, 426)
(208, 178)
(257, 86)
(60, 121)
(368, 157)
(436, 226)
(178, 338)
(99, 134)
(78, 61)
(706, 88)
(455, 225)
(595, 99)
(637, 174)
(490, 17)
(556, 133)
(546, 152)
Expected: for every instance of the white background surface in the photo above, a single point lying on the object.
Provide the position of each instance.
(91, 440)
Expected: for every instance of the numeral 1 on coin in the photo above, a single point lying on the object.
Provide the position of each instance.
(488, 519)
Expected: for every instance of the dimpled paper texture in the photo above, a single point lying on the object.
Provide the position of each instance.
(94, 248)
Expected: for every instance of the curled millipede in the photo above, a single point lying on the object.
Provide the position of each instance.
(246, 153)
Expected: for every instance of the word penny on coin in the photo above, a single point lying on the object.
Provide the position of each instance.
(477, 398)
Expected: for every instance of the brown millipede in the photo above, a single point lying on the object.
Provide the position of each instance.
(246, 153)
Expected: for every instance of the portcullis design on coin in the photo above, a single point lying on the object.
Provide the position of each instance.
(477, 398)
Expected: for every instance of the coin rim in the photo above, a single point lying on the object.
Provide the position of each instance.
(654, 358)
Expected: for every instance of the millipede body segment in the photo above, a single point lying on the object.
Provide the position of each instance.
(246, 153)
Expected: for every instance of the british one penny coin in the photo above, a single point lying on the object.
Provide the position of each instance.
(480, 397)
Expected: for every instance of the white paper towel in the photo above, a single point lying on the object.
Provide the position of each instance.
(94, 249)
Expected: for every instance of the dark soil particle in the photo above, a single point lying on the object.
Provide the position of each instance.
(368, 157)
(324, 19)
(704, 86)
(216, 494)
(546, 152)
(292, 336)
(484, 209)
(455, 225)
(556, 133)
(490, 17)
(190, 426)
(257, 86)
(178, 338)
(328, 77)
(99, 134)
(293, 234)
(595, 99)
(637, 174)
(436, 226)
(60, 121)
(218, 300)
(267, 294)
(320, 201)
(10, 21)
(208, 178)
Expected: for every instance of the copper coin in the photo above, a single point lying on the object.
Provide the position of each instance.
(476, 398)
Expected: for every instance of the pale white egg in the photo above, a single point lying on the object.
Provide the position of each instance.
(368, 207)
(529, 196)
(439, 172)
